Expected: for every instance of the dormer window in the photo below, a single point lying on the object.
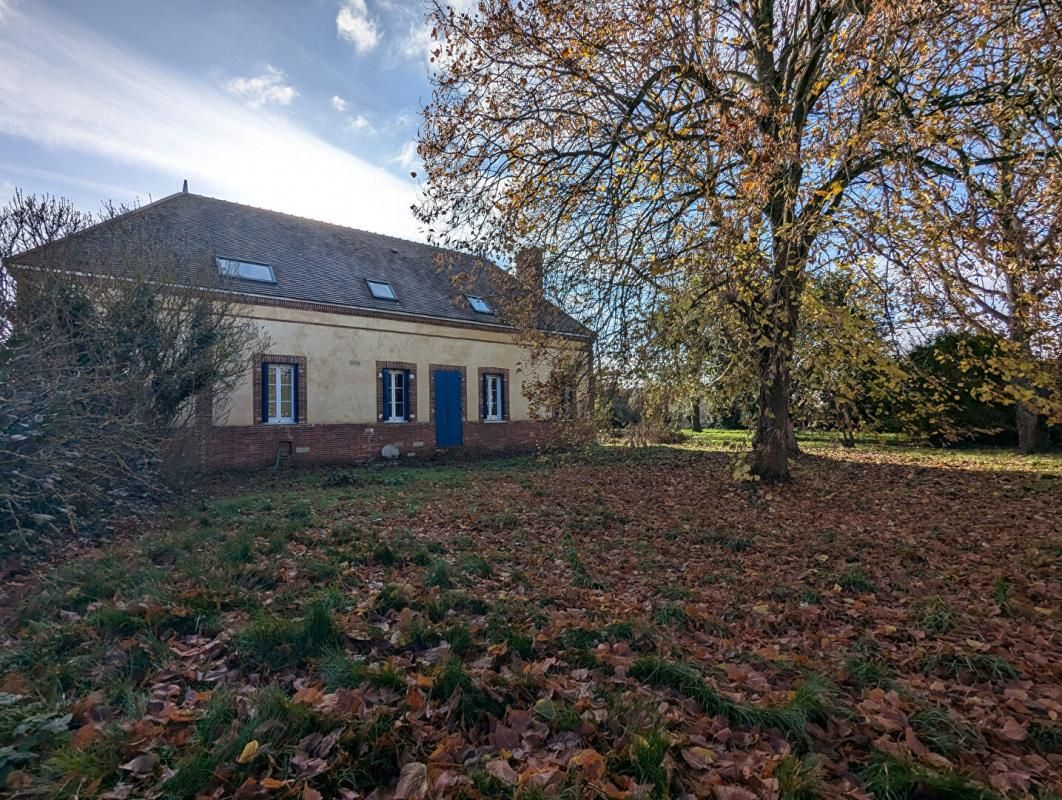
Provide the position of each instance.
(382, 290)
(479, 305)
(245, 270)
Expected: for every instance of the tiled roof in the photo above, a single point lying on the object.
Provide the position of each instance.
(312, 261)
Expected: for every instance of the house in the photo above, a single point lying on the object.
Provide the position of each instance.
(374, 340)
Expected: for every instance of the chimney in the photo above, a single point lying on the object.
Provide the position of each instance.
(184, 189)
(529, 271)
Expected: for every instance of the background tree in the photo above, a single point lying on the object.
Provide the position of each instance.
(29, 221)
(976, 218)
(845, 372)
(101, 380)
(681, 147)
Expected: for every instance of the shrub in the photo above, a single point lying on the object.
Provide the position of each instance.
(648, 432)
(97, 380)
(942, 400)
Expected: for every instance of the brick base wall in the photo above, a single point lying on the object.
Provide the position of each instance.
(254, 446)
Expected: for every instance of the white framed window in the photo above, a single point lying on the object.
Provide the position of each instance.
(493, 398)
(246, 270)
(279, 393)
(382, 290)
(395, 395)
(479, 305)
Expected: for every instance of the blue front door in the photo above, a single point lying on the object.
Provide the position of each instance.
(448, 390)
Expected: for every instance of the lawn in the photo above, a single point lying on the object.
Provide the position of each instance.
(610, 623)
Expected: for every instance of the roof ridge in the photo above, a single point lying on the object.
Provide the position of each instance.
(331, 224)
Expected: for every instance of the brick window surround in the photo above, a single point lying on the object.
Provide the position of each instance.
(411, 391)
(505, 391)
(432, 369)
(303, 381)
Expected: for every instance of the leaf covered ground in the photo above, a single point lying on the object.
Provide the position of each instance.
(613, 623)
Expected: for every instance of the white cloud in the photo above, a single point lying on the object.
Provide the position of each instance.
(418, 42)
(269, 87)
(63, 86)
(360, 123)
(354, 24)
(103, 191)
(407, 157)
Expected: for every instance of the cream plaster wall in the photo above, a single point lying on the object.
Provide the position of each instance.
(341, 353)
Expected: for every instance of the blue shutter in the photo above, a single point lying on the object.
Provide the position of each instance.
(405, 394)
(295, 392)
(386, 394)
(265, 392)
(486, 398)
(501, 397)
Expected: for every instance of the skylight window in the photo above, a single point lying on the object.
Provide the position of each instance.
(479, 305)
(382, 290)
(246, 270)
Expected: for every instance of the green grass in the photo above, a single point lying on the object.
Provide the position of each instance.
(890, 779)
(990, 459)
(982, 666)
(273, 642)
(799, 778)
(390, 598)
(476, 566)
(936, 616)
(941, 732)
(439, 575)
(671, 614)
(868, 671)
(251, 567)
(855, 580)
(470, 705)
(646, 756)
(811, 702)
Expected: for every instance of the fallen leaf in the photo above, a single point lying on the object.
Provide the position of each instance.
(590, 763)
(698, 757)
(412, 782)
(1012, 730)
(248, 752)
(733, 793)
(141, 764)
(501, 770)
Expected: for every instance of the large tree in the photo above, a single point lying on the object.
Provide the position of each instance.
(978, 222)
(659, 147)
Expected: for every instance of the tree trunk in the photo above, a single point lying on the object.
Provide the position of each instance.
(790, 437)
(1031, 433)
(695, 418)
(770, 455)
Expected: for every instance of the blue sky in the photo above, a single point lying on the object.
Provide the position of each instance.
(306, 106)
